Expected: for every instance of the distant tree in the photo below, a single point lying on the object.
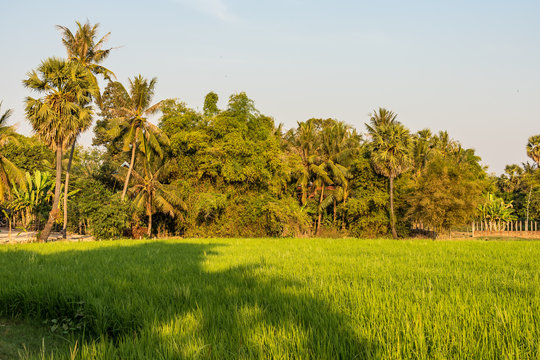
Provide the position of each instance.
(67, 89)
(210, 107)
(391, 152)
(533, 149)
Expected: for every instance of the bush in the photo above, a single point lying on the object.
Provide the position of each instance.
(110, 220)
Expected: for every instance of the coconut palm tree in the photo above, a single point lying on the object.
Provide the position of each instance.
(67, 89)
(151, 194)
(130, 123)
(8, 170)
(313, 171)
(83, 48)
(302, 142)
(339, 146)
(391, 155)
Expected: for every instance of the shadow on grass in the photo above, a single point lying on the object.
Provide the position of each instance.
(159, 300)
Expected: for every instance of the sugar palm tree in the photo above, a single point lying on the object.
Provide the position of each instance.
(8, 170)
(84, 48)
(67, 89)
(391, 155)
(130, 122)
(533, 149)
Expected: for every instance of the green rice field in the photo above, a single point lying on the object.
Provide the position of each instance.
(275, 299)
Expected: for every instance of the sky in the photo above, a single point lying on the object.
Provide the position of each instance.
(469, 67)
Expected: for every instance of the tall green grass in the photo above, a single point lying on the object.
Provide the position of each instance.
(281, 298)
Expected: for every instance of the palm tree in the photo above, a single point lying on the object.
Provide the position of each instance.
(339, 146)
(130, 123)
(150, 194)
(313, 171)
(84, 49)
(382, 116)
(8, 170)
(391, 155)
(302, 142)
(56, 117)
(533, 149)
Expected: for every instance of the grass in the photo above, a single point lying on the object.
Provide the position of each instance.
(23, 338)
(279, 298)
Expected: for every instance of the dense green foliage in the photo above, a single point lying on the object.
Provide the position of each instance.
(249, 298)
(235, 171)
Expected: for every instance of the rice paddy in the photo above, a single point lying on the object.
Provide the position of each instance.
(277, 298)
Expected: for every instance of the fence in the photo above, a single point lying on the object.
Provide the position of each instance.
(521, 229)
(527, 229)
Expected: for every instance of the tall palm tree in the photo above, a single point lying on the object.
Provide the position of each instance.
(391, 155)
(8, 170)
(83, 48)
(67, 89)
(130, 122)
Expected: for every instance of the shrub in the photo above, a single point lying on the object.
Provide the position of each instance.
(110, 220)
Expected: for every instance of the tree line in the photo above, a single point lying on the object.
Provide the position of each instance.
(231, 171)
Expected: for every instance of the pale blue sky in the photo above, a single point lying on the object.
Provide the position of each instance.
(470, 67)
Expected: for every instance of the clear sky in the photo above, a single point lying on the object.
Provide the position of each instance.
(469, 67)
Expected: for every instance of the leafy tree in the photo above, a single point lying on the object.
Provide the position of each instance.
(210, 107)
(391, 152)
(446, 193)
(67, 89)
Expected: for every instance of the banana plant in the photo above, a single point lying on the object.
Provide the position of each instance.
(494, 212)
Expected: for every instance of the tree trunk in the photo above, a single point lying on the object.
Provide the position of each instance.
(529, 202)
(126, 182)
(335, 211)
(54, 211)
(392, 216)
(320, 212)
(66, 185)
(149, 209)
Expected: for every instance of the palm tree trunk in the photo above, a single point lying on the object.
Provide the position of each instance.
(54, 211)
(126, 182)
(335, 211)
(149, 210)
(529, 202)
(320, 212)
(392, 216)
(66, 185)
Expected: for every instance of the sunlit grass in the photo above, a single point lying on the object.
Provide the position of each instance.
(281, 298)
